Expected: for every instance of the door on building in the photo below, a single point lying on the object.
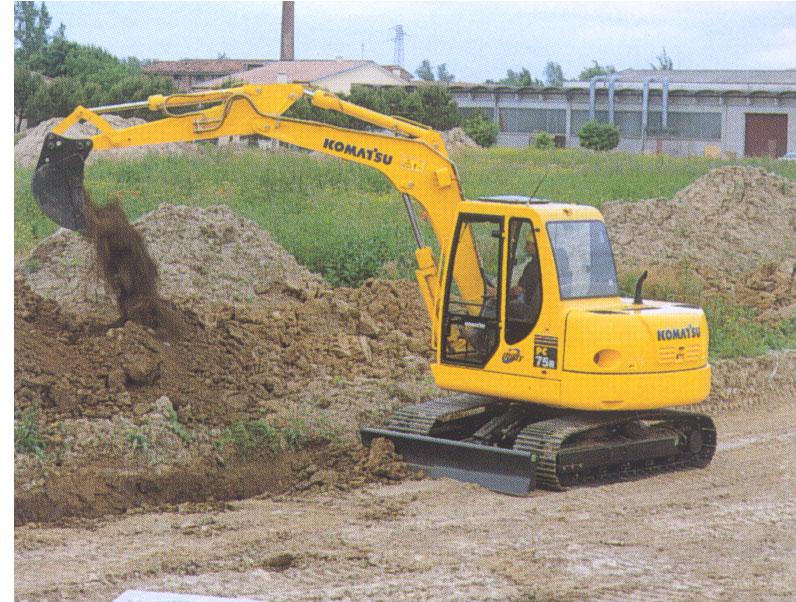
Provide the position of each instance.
(766, 135)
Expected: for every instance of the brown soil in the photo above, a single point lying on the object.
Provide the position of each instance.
(128, 269)
(304, 352)
(722, 533)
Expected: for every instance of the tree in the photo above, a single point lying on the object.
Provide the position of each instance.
(443, 75)
(595, 69)
(30, 29)
(424, 71)
(482, 130)
(26, 84)
(520, 79)
(597, 135)
(664, 62)
(553, 74)
(439, 109)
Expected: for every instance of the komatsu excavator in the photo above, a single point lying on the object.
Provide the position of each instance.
(559, 381)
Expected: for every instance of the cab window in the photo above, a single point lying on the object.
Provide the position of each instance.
(524, 297)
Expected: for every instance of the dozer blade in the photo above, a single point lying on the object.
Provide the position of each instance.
(58, 181)
(503, 470)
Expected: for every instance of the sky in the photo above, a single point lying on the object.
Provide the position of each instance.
(477, 40)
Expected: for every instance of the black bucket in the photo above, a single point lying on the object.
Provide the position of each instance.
(58, 181)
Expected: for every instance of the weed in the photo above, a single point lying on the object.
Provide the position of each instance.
(294, 434)
(176, 427)
(138, 440)
(736, 332)
(249, 435)
(31, 265)
(27, 438)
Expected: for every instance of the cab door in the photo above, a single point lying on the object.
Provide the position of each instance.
(471, 319)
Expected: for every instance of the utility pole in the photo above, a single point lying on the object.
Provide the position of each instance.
(286, 51)
(398, 55)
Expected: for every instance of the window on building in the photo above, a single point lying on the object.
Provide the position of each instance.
(704, 126)
(526, 121)
(578, 118)
(467, 112)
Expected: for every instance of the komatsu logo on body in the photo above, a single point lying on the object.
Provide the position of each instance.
(371, 154)
(689, 332)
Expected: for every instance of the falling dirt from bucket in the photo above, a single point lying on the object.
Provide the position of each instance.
(127, 267)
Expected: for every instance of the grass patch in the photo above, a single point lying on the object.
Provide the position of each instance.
(27, 438)
(257, 434)
(138, 440)
(175, 426)
(347, 222)
(736, 332)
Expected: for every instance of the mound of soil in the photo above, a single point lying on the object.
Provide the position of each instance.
(734, 227)
(131, 410)
(28, 148)
(208, 255)
(456, 139)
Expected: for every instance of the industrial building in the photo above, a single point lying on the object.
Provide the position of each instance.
(679, 112)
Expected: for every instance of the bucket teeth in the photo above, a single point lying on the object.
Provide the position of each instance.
(58, 181)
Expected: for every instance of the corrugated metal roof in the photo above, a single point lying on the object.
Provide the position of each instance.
(713, 76)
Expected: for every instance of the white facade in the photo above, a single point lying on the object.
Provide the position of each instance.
(701, 120)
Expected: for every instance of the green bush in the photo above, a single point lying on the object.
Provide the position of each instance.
(484, 131)
(27, 438)
(599, 136)
(544, 140)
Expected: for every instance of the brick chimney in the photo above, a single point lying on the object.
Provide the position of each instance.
(286, 52)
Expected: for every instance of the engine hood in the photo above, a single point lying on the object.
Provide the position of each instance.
(622, 338)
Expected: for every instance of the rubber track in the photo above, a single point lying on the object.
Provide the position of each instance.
(546, 439)
(420, 418)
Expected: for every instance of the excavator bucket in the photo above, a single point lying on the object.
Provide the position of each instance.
(504, 470)
(58, 180)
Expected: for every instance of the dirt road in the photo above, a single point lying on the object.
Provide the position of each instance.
(724, 533)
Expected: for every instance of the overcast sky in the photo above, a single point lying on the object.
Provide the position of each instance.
(477, 40)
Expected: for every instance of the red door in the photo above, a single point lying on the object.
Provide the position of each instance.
(766, 135)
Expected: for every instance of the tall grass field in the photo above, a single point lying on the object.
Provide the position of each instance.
(346, 221)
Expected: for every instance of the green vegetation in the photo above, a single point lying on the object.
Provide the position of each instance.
(347, 223)
(431, 105)
(543, 140)
(599, 136)
(138, 440)
(735, 332)
(177, 428)
(247, 435)
(482, 130)
(27, 439)
(76, 74)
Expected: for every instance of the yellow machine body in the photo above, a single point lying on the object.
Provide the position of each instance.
(605, 353)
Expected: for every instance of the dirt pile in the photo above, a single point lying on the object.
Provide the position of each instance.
(28, 148)
(456, 139)
(734, 227)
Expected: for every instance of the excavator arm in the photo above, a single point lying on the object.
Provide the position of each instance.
(411, 155)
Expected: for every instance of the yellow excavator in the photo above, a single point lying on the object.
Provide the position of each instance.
(559, 381)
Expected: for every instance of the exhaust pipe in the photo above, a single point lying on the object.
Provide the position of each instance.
(58, 180)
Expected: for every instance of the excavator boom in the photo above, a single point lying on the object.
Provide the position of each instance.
(412, 156)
